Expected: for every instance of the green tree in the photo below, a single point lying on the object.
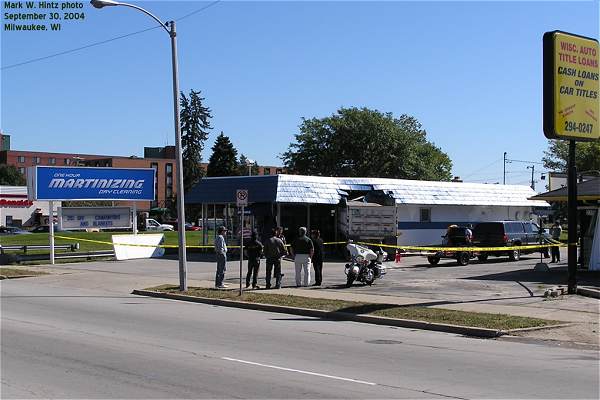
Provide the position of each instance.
(587, 156)
(244, 167)
(10, 175)
(195, 124)
(223, 160)
(366, 143)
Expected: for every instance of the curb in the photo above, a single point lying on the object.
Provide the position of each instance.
(16, 276)
(332, 315)
(536, 328)
(587, 292)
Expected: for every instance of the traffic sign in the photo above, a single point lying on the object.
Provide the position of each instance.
(571, 87)
(241, 196)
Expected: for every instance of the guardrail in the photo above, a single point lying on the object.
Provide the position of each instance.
(88, 255)
(25, 247)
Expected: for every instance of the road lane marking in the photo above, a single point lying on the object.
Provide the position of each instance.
(300, 371)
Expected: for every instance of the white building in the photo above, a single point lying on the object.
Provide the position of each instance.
(17, 210)
(423, 209)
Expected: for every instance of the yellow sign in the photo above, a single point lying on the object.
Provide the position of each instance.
(571, 87)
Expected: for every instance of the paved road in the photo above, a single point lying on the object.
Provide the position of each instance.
(495, 282)
(82, 336)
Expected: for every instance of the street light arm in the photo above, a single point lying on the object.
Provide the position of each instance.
(148, 13)
(110, 3)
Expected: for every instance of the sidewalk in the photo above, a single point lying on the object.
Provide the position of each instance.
(553, 309)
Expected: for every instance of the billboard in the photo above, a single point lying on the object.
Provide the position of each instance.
(95, 217)
(571, 87)
(90, 183)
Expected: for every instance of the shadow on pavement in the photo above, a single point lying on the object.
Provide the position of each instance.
(556, 276)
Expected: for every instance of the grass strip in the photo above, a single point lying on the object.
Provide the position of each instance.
(14, 272)
(417, 313)
(192, 238)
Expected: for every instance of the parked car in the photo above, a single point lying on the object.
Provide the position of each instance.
(190, 227)
(44, 229)
(11, 230)
(507, 234)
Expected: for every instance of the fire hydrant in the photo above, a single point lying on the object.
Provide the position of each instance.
(398, 257)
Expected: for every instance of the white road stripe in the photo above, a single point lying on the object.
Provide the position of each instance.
(298, 370)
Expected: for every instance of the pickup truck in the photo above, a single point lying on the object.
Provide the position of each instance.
(154, 225)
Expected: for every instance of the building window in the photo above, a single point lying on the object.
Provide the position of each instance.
(267, 171)
(22, 170)
(279, 171)
(154, 166)
(168, 181)
(21, 159)
(425, 215)
(67, 161)
(52, 161)
(37, 160)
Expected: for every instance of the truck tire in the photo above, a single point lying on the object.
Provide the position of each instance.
(463, 258)
(433, 260)
(514, 255)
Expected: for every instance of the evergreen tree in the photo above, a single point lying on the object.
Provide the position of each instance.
(244, 168)
(223, 160)
(195, 124)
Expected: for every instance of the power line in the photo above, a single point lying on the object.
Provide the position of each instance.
(526, 162)
(78, 48)
(482, 168)
(198, 10)
(104, 41)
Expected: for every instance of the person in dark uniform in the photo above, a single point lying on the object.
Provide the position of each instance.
(274, 250)
(253, 251)
(317, 260)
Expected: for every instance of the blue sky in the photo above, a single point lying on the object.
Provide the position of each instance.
(470, 72)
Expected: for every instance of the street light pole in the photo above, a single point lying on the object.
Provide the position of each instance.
(179, 161)
(169, 27)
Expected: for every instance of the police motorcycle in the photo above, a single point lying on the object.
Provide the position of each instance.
(365, 265)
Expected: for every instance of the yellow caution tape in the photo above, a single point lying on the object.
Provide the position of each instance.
(165, 246)
(399, 247)
(447, 248)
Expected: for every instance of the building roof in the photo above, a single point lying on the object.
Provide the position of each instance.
(587, 190)
(261, 189)
(329, 190)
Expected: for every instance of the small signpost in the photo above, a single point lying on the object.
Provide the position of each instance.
(241, 196)
(571, 110)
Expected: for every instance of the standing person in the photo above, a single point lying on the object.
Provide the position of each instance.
(317, 259)
(274, 249)
(254, 251)
(280, 235)
(302, 251)
(221, 252)
(555, 231)
(469, 233)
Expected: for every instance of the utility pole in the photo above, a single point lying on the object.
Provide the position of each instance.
(532, 168)
(504, 173)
